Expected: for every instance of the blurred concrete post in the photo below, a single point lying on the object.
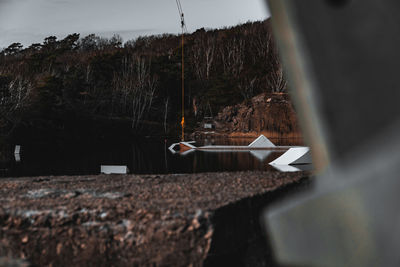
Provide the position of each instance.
(342, 59)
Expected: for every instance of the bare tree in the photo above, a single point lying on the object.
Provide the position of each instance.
(276, 81)
(209, 55)
(232, 55)
(197, 62)
(134, 88)
(166, 104)
(246, 87)
(262, 45)
(19, 89)
(14, 96)
(203, 52)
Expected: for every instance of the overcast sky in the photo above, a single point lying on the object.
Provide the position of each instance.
(30, 21)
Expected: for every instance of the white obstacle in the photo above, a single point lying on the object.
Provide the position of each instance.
(109, 169)
(294, 156)
(187, 144)
(172, 148)
(286, 168)
(262, 142)
(17, 155)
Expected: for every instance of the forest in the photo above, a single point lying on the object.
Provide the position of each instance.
(78, 82)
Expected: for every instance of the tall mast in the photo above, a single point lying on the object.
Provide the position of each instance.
(183, 26)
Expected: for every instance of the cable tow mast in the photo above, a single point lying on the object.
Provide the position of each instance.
(184, 29)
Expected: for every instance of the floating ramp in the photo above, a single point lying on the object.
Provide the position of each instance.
(294, 156)
(261, 143)
(293, 168)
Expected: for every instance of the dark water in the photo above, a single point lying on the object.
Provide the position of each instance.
(141, 155)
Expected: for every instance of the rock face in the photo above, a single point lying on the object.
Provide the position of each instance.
(266, 113)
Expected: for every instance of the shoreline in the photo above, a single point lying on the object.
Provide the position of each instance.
(198, 135)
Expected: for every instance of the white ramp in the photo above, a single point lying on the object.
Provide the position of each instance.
(286, 168)
(172, 148)
(294, 156)
(262, 142)
(107, 169)
(294, 168)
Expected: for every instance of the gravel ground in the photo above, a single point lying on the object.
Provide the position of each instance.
(121, 220)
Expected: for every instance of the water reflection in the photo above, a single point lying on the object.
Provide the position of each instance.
(260, 154)
(141, 156)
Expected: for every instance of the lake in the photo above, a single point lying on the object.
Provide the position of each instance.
(141, 155)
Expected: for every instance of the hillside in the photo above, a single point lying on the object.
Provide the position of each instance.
(75, 84)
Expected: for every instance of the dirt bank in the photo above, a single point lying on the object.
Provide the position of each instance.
(168, 220)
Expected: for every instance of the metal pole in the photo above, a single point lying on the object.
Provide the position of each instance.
(183, 86)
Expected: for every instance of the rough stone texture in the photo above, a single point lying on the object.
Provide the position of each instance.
(120, 220)
(264, 113)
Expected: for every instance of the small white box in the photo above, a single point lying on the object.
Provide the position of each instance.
(108, 169)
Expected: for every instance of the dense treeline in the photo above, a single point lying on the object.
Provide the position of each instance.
(48, 84)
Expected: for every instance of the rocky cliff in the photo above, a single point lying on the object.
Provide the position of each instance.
(270, 114)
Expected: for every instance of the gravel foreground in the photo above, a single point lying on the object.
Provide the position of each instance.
(122, 220)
